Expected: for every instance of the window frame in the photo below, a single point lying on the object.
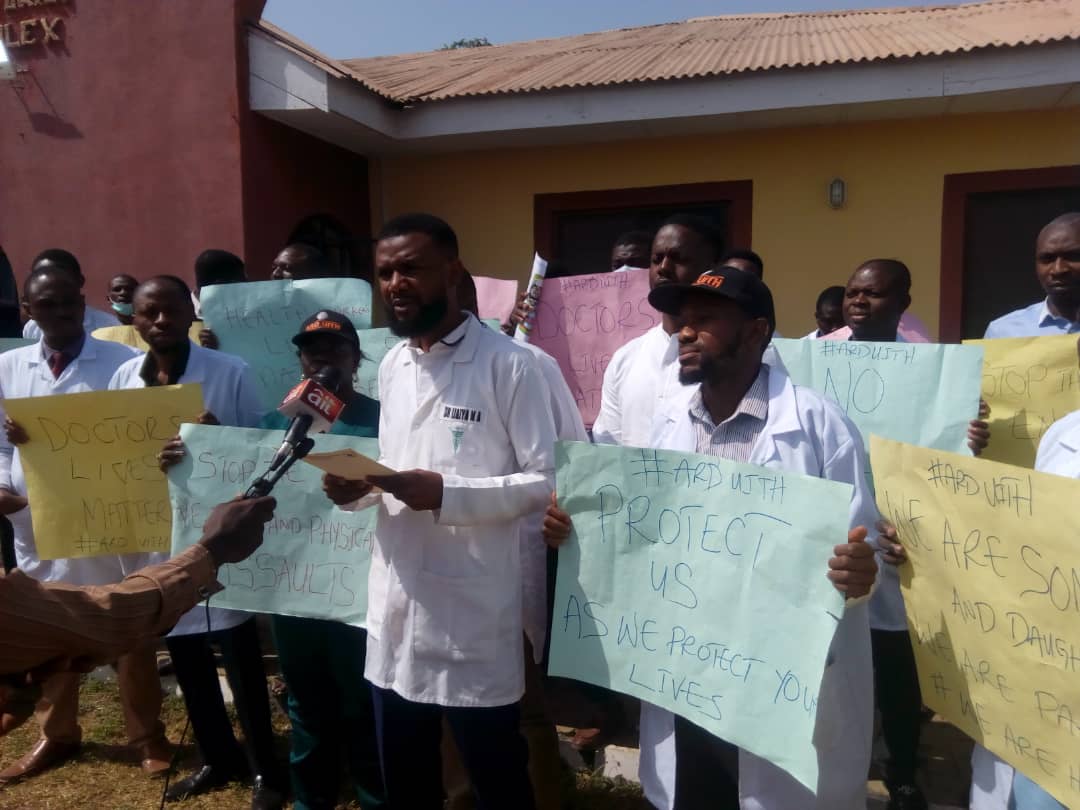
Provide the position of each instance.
(955, 192)
(738, 194)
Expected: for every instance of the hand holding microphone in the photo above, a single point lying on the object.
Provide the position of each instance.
(312, 407)
(234, 529)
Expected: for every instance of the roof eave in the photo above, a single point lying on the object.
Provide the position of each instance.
(342, 110)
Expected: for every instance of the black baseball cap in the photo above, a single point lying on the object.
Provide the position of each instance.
(327, 322)
(745, 289)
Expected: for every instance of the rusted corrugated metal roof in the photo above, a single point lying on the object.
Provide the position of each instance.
(714, 46)
(305, 51)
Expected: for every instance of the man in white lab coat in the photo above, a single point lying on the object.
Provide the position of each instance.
(462, 421)
(643, 374)
(545, 763)
(67, 360)
(748, 411)
(641, 379)
(63, 260)
(163, 316)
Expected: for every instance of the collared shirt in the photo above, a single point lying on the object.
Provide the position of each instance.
(228, 385)
(71, 351)
(228, 389)
(804, 434)
(734, 438)
(149, 368)
(25, 372)
(444, 590)
(1031, 321)
(424, 363)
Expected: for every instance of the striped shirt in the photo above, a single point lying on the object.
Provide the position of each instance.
(734, 438)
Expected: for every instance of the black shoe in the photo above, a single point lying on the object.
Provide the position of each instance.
(202, 781)
(906, 796)
(265, 797)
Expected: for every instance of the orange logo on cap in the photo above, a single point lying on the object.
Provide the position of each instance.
(709, 281)
(314, 325)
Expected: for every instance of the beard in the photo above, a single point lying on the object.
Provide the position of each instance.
(714, 367)
(691, 376)
(427, 317)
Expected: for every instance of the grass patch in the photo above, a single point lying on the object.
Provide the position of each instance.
(105, 776)
(595, 792)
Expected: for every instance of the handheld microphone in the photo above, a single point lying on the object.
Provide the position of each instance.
(313, 407)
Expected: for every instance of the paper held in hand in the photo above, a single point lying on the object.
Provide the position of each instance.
(347, 464)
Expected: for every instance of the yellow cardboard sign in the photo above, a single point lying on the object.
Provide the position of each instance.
(1029, 384)
(992, 595)
(126, 334)
(91, 467)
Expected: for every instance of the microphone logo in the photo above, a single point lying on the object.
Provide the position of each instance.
(325, 405)
(312, 408)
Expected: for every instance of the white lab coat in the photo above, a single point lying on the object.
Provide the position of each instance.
(641, 380)
(806, 434)
(25, 373)
(642, 376)
(229, 393)
(444, 592)
(92, 319)
(887, 605)
(569, 428)
(1059, 454)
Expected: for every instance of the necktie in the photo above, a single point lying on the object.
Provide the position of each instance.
(58, 361)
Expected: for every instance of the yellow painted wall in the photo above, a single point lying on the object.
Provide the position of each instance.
(894, 172)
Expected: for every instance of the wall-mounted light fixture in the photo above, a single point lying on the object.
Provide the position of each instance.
(7, 67)
(837, 193)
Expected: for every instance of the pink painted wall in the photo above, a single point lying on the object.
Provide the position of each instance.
(130, 143)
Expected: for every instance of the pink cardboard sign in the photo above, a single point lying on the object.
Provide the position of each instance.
(582, 320)
(495, 297)
(910, 329)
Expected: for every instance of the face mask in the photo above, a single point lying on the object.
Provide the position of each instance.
(122, 309)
